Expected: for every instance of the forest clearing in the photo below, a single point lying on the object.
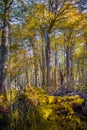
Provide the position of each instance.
(43, 65)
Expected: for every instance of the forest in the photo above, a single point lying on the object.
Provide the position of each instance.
(43, 64)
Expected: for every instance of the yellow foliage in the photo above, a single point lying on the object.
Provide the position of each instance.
(46, 112)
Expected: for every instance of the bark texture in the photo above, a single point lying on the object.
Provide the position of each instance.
(4, 47)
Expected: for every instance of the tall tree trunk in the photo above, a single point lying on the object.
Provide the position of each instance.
(47, 50)
(78, 74)
(67, 64)
(86, 64)
(68, 55)
(43, 68)
(71, 67)
(35, 69)
(26, 68)
(36, 74)
(83, 69)
(4, 48)
(55, 71)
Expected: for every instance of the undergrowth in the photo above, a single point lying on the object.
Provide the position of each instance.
(33, 109)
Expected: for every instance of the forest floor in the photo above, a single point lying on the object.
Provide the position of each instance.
(34, 109)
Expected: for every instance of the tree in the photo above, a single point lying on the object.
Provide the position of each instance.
(4, 45)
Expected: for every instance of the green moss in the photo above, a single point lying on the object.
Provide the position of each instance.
(35, 110)
(76, 103)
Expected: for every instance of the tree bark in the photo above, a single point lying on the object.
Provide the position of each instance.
(47, 50)
(26, 68)
(4, 48)
(43, 68)
(67, 64)
(55, 71)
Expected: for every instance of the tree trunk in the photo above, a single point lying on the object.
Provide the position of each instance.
(47, 50)
(67, 64)
(4, 49)
(26, 68)
(86, 64)
(35, 69)
(55, 71)
(43, 68)
(71, 67)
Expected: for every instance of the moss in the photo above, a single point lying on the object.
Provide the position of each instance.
(52, 100)
(35, 110)
(76, 103)
(46, 112)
